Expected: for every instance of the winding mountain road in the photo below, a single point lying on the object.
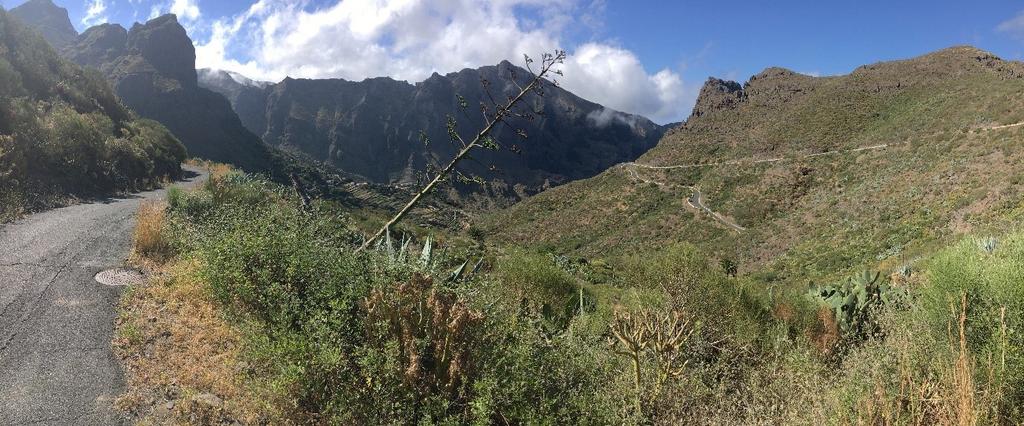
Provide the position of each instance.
(56, 321)
(697, 199)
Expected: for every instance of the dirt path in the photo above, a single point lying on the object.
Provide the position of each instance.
(56, 321)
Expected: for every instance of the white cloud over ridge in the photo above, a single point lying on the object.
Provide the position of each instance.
(95, 12)
(410, 39)
(187, 11)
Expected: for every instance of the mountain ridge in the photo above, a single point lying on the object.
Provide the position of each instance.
(326, 118)
(929, 113)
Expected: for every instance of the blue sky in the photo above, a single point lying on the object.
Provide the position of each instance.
(645, 57)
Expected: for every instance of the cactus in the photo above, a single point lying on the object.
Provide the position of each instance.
(853, 302)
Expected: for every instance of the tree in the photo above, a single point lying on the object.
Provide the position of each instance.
(494, 115)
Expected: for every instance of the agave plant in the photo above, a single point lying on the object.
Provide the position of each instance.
(428, 261)
(988, 245)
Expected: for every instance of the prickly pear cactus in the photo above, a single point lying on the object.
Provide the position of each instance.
(852, 301)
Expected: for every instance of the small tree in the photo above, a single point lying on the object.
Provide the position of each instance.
(494, 115)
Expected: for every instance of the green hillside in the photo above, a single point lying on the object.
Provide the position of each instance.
(814, 204)
(63, 132)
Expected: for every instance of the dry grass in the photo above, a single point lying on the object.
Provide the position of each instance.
(181, 358)
(951, 396)
(217, 170)
(149, 241)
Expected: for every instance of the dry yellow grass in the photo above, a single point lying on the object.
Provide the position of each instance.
(217, 170)
(149, 241)
(181, 358)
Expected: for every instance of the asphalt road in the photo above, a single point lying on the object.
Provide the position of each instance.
(697, 201)
(56, 321)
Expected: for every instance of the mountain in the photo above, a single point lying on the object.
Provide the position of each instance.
(372, 127)
(63, 132)
(818, 175)
(51, 21)
(152, 69)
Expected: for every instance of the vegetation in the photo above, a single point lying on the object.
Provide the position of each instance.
(63, 133)
(811, 219)
(410, 332)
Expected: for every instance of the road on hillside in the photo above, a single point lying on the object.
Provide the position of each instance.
(697, 201)
(56, 321)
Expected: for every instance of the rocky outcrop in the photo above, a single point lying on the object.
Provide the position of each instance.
(777, 85)
(372, 127)
(717, 95)
(99, 47)
(163, 43)
(152, 69)
(49, 19)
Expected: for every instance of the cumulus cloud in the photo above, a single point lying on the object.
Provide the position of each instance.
(1014, 26)
(602, 72)
(410, 39)
(95, 13)
(187, 11)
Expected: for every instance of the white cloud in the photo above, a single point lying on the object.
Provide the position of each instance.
(410, 39)
(615, 78)
(95, 13)
(187, 11)
(1014, 26)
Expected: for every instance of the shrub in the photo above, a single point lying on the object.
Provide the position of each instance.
(535, 282)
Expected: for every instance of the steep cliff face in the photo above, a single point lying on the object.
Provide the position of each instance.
(372, 127)
(99, 47)
(51, 21)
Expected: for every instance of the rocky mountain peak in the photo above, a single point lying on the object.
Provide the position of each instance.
(98, 45)
(773, 72)
(49, 19)
(718, 94)
(164, 43)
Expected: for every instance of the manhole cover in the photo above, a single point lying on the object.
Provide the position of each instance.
(120, 277)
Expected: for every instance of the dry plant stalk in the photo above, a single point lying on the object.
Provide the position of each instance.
(415, 313)
(963, 376)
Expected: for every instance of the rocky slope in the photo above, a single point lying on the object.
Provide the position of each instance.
(372, 127)
(51, 21)
(152, 69)
(826, 174)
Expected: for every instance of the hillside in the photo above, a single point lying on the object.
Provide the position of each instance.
(63, 132)
(779, 156)
(371, 128)
(152, 69)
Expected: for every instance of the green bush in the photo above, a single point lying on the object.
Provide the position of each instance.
(536, 283)
(69, 126)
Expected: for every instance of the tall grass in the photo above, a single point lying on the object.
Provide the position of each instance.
(150, 240)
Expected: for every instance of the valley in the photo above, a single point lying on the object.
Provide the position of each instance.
(386, 220)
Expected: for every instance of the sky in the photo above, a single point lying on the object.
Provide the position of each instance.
(639, 56)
